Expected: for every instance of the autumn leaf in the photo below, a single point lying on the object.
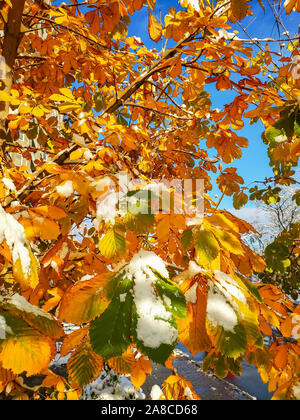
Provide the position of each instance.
(154, 28)
(23, 348)
(84, 301)
(239, 8)
(84, 365)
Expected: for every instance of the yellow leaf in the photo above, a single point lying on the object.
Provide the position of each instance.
(53, 212)
(72, 340)
(289, 5)
(151, 4)
(122, 364)
(163, 229)
(30, 279)
(5, 97)
(138, 373)
(66, 92)
(228, 241)
(154, 28)
(84, 301)
(281, 357)
(192, 330)
(76, 154)
(24, 349)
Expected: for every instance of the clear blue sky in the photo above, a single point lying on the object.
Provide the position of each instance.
(254, 165)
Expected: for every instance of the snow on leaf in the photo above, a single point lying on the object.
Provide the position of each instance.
(25, 264)
(110, 333)
(33, 315)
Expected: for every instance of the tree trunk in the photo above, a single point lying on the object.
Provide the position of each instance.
(12, 38)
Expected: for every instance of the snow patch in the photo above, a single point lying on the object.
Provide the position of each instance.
(9, 184)
(13, 233)
(23, 305)
(281, 139)
(153, 323)
(190, 273)
(219, 311)
(230, 288)
(66, 190)
(296, 391)
(2, 328)
(194, 4)
(156, 393)
(110, 386)
(191, 294)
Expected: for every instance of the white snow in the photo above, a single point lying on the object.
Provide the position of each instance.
(156, 393)
(13, 233)
(110, 386)
(194, 4)
(86, 277)
(9, 184)
(188, 393)
(107, 208)
(191, 294)
(296, 391)
(23, 305)
(219, 311)
(2, 328)
(66, 190)
(153, 328)
(281, 138)
(168, 301)
(123, 297)
(230, 288)
(190, 273)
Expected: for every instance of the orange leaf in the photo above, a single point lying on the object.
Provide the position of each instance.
(139, 371)
(84, 301)
(154, 28)
(72, 340)
(281, 357)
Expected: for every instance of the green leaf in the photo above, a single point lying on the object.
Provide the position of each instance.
(175, 301)
(296, 197)
(297, 125)
(209, 361)
(230, 343)
(234, 366)
(207, 247)
(240, 200)
(252, 289)
(110, 333)
(221, 369)
(277, 257)
(273, 133)
(187, 239)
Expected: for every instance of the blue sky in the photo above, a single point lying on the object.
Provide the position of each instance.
(254, 165)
